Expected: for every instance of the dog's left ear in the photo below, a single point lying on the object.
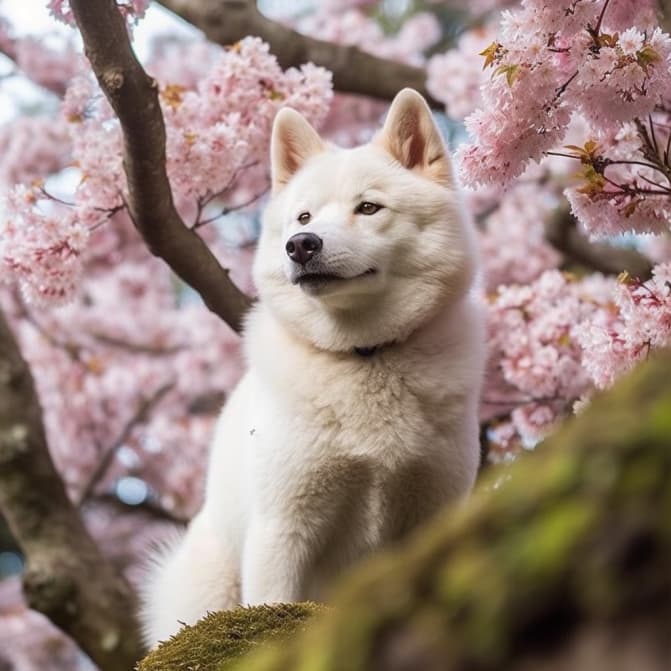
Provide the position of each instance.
(292, 143)
(411, 136)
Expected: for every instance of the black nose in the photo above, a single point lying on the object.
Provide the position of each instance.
(303, 246)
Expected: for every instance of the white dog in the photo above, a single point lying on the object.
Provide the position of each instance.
(357, 417)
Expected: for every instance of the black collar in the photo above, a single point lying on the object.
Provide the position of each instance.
(367, 352)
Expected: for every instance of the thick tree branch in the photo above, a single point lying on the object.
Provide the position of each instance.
(665, 14)
(134, 97)
(67, 578)
(354, 71)
(562, 233)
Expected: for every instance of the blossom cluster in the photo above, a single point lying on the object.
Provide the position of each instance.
(536, 344)
(224, 123)
(32, 147)
(593, 75)
(215, 129)
(553, 59)
(456, 76)
(643, 323)
(512, 238)
(50, 62)
(133, 10)
(42, 250)
(624, 184)
(353, 27)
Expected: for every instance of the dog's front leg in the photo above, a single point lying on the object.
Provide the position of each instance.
(274, 562)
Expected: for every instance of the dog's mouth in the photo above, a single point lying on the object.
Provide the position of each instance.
(319, 279)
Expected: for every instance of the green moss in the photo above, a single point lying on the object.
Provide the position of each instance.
(576, 532)
(214, 641)
(660, 415)
(540, 550)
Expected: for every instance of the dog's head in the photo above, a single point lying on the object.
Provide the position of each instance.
(361, 246)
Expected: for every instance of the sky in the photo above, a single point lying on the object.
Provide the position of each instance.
(31, 17)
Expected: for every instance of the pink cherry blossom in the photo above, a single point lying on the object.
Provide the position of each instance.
(132, 9)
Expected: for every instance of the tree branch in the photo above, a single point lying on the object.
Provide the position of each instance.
(665, 14)
(150, 506)
(354, 71)
(66, 578)
(562, 233)
(134, 97)
(138, 417)
(10, 48)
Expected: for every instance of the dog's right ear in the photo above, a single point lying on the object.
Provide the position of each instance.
(411, 136)
(293, 142)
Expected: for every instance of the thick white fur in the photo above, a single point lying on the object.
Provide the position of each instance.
(322, 455)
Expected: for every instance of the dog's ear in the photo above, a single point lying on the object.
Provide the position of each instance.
(293, 141)
(411, 136)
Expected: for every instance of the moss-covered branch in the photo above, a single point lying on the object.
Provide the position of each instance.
(566, 560)
(220, 638)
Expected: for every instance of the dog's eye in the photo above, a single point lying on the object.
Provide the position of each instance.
(304, 217)
(368, 208)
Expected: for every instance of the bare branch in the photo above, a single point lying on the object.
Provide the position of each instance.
(354, 71)
(149, 506)
(147, 349)
(562, 233)
(134, 97)
(229, 209)
(140, 415)
(67, 578)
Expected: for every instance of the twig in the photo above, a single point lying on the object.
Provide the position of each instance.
(203, 202)
(140, 415)
(135, 347)
(149, 506)
(227, 210)
(597, 28)
(73, 350)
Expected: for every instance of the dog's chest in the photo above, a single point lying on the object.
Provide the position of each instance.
(375, 410)
(359, 451)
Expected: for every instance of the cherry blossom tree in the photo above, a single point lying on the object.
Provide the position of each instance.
(131, 204)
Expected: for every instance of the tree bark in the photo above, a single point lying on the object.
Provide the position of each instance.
(66, 577)
(354, 71)
(561, 231)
